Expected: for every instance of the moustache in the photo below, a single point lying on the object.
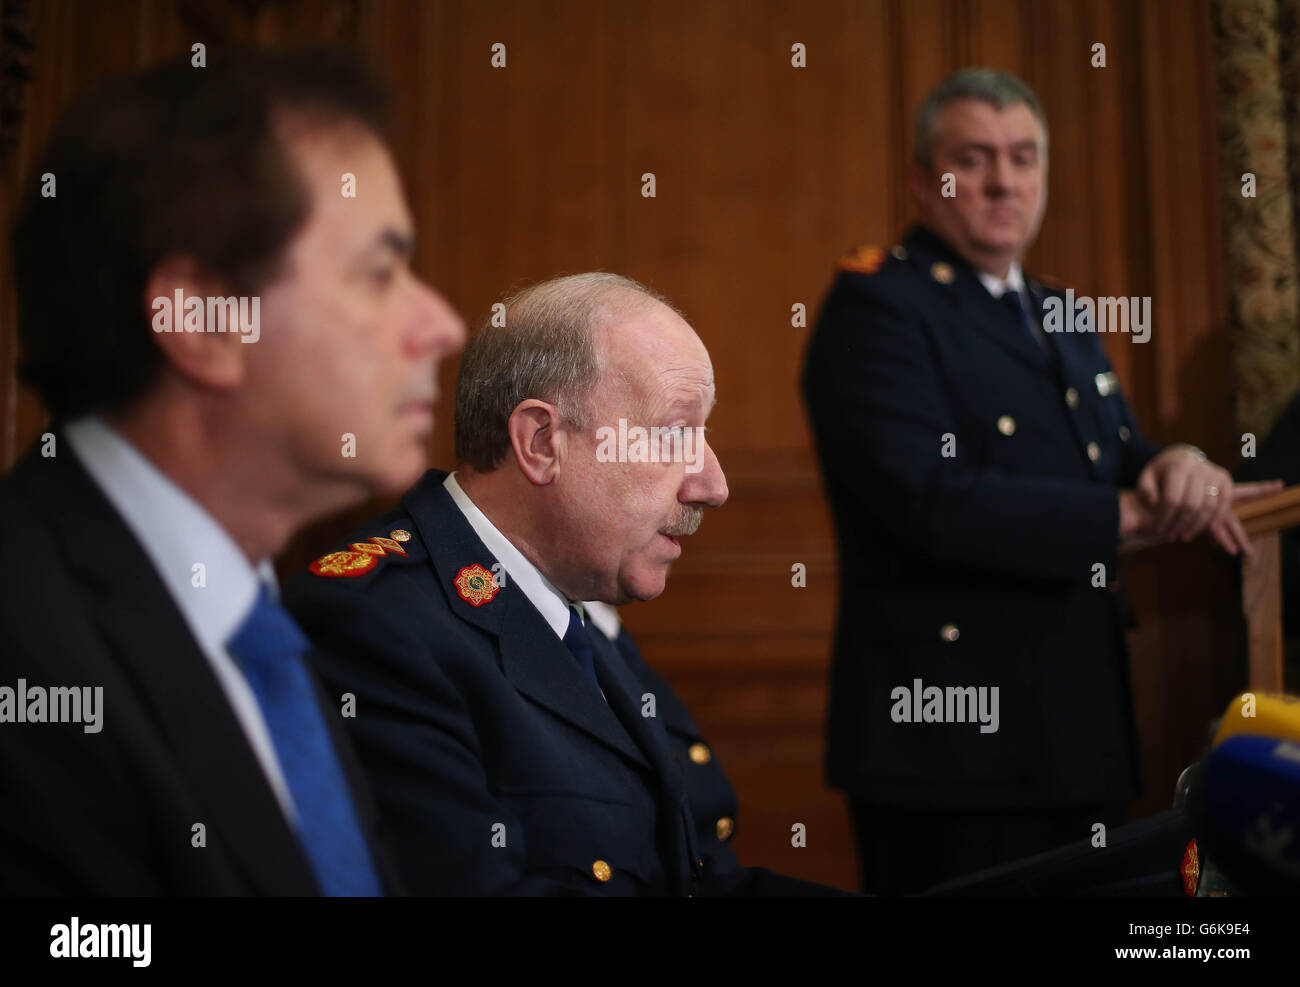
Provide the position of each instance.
(687, 522)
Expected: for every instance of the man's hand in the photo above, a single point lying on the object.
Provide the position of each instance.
(1183, 494)
(1188, 492)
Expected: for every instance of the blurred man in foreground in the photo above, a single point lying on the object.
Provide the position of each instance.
(228, 348)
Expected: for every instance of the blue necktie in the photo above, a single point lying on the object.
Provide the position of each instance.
(1011, 299)
(578, 640)
(269, 647)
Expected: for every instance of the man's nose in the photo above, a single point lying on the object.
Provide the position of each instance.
(437, 327)
(708, 486)
(998, 180)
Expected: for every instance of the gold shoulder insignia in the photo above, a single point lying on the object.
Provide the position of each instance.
(357, 559)
(864, 260)
(343, 565)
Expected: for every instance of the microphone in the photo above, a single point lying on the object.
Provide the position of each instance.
(1262, 714)
(1140, 859)
(1246, 804)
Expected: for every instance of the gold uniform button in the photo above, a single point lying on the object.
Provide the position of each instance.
(601, 871)
(942, 272)
(1072, 398)
(1094, 451)
(700, 753)
(1124, 433)
(401, 534)
(949, 632)
(725, 827)
(1007, 425)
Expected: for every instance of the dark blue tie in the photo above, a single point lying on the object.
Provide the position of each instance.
(269, 647)
(1011, 299)
(578, 640)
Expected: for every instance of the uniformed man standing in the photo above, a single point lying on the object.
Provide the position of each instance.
(983, 474)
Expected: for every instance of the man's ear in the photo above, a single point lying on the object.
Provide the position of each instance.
(918, 183)
(535, 438)
(210, 359)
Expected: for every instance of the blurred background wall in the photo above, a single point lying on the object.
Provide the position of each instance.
(765, 173)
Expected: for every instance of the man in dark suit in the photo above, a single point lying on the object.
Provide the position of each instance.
(983, 471)
(510, 746)
(205, 318)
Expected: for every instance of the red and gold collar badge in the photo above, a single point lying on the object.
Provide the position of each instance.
(476, 585)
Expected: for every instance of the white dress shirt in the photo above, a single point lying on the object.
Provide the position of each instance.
(176, 533)
(1014, 281)
(541, 592)
(604, 616)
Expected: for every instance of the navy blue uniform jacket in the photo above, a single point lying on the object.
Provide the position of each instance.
(497, 765)
(712, 799)
(973, 479)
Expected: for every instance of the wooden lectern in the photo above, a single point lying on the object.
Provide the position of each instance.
(1261, 583)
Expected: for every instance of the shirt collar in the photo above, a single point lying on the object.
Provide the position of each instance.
(175, 532)
(542, 594)
(1014, 281)
(605, 617)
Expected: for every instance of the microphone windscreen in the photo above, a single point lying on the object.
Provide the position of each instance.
(1261, 713)
(1247, 806)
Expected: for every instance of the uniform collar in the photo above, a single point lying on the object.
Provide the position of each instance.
(541, 592)
(926, 239)
(997, 287)
(970, 300)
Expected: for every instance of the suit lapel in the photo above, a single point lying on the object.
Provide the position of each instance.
(362, 799)
(624, 693)
(1074, 372)
(534, 660)
(156, 650)
(1036, 300)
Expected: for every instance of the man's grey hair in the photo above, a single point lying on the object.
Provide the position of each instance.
(998, 89)
(544, 350)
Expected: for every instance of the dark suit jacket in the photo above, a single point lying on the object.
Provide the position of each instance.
(496, 763)
(708, 789)
(973, 479)
(111, 813)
